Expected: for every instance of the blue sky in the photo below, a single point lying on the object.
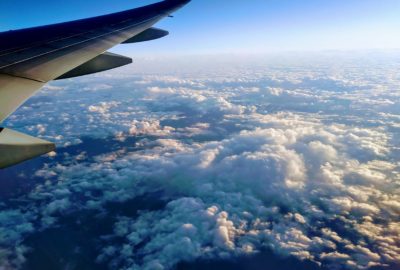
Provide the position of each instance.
(209, 26)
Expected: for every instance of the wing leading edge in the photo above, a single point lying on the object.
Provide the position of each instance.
(29, 58)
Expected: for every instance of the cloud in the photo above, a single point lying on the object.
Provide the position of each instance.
(150, 128)
(257, 188)
(274, 159)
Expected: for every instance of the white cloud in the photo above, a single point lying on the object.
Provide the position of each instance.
(150, 128)
(237, 188)
(264, 159)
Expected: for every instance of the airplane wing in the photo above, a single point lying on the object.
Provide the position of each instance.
(29, 58)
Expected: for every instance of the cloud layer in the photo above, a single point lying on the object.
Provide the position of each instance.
(300, 160)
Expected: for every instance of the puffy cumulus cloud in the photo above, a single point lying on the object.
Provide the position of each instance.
(291, 160)
(186, 224)
(14, 224)
(277, 186)
(151, 128)
(298, 174)
(103, 108)
(203, 101)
